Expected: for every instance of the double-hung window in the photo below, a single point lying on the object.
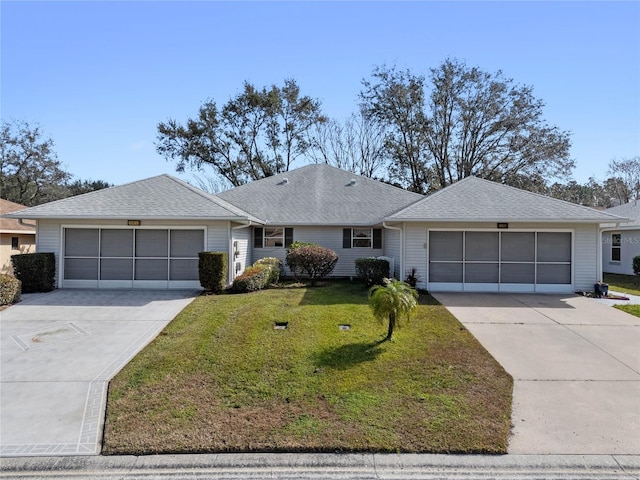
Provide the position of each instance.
(272, 237)
(362, 238)
(616, 247)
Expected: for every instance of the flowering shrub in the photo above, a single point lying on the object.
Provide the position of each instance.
(274, 268)
(311, 260)
(253, 278)
(9, 289)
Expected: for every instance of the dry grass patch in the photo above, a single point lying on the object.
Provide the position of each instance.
(220, 378)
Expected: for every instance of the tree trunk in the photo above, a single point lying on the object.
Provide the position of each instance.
(392, 324)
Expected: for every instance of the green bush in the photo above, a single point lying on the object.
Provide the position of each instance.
(636, 265)
(274, 268)
(311, 260)
(253, 278)
(212, 270)
(298, 244)
(9, 289)
(372, 270)
(36, 271)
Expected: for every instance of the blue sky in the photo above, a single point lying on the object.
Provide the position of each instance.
(99, 76)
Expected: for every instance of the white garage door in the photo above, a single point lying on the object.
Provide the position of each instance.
(477, 261)
(132, 257)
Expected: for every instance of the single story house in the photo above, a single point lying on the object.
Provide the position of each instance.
(15, 237)
(474, 235)
(620, 243)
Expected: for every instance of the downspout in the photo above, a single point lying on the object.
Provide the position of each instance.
(232, 263)
(401, 266)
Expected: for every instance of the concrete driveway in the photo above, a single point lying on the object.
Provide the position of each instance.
(575, 364)
(58, 352)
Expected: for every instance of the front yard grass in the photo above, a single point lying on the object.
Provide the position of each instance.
(622, 283)
(220, 378)
(632, 309)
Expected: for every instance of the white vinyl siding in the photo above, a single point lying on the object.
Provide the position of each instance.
(391, 244)
(241, 237)
(629, 248)
(584, 265)
(328, 237)
(50, 237)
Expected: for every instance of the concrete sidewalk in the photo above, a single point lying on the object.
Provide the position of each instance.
(58, 352)
(575, 364)
(326, 466)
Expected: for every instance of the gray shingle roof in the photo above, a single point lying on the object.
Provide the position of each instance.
(319, 194)
(629, 210)
(477, 200)
(161, 197)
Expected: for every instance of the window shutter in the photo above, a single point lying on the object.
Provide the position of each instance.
(346, 238)
(288, 237)
(257, 237)
(377, 238)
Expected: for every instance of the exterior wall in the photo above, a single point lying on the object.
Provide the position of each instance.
(243, 258)
(26, 243)
(329, 237)
(49, 238)
(391, 248)
(629, 248)
(585, 247)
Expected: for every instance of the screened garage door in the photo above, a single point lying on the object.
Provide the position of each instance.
(500, 261)
(132, 258)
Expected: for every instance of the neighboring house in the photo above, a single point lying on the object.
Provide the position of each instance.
(15, 237)
(621, 242)
(475, 235)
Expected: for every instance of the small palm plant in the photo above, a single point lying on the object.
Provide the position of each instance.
(394, 300)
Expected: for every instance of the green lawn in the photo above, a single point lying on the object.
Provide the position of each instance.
(220, 378)
(622, 283)
(632, 309)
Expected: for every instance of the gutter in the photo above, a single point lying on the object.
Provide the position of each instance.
(401, 266)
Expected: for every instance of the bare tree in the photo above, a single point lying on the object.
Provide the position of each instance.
(627, 173)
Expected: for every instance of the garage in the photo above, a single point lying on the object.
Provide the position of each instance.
(104, 257)
(500, 261)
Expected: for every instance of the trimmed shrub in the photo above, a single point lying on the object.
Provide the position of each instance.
(372, 270)
(212, 270)
(298, 244)
(36, 271)
(313, 261)
(274, 268)
(636, 265)
(9, 289)
(253, 278)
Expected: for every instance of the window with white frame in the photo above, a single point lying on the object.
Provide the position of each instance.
(361, 237)
(272, 237)
(616, 247)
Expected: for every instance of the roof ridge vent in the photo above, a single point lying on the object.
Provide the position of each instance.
(285, 181)
(352, 182)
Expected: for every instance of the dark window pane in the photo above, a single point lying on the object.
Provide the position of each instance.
(151, 270)
(81, 242)
(518, 247)
(481, 273)
(186, 243)
(183, 269)
(116, 269)
(152, 243)
(481, 246)
(518, 273)
(554, 274)
(554, 247)
(445, 246)
(116, 243)
(81, 268)
(445, 272)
